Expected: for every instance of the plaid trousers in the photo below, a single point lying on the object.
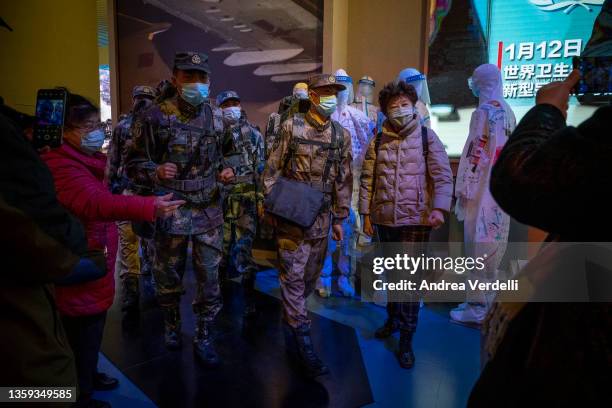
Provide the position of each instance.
(414, 240)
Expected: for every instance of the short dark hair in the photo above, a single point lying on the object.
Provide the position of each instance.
(392, 90)
(78, 108)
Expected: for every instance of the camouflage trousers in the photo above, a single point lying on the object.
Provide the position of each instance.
(128, 261)
(300, 266)
(169, 268)
(238, 236)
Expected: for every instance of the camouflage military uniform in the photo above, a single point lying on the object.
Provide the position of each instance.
(128, 264)
(175, 132)
(301, 252)
(243, 150)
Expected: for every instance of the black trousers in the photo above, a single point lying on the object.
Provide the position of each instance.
(85, 337)
(414, 238)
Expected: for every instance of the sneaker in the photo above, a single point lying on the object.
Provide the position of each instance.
(472, 315)
(460, 307)
(324, 287)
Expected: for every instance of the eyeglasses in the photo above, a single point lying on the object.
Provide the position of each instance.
(89, 126)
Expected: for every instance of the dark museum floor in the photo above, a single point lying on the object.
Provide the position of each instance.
(256, 372)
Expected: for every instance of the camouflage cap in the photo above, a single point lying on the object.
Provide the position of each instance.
(226, 95)
(143, 90)
(320, 80)
(191, 60)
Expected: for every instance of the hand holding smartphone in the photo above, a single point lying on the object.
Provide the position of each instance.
(50, 115)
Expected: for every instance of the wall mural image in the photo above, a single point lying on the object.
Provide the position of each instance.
(258, 48)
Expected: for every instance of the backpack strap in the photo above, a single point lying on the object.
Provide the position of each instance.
(425, 142)
(334, 151)
(377, 140)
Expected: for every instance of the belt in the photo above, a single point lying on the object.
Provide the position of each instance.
(247, 178)
(188, 185)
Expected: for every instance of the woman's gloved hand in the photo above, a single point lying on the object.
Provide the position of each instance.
(91, 266)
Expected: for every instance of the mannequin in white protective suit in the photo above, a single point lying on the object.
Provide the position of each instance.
(364, 98)
(361, 129)
(486, 226)
(413, 77)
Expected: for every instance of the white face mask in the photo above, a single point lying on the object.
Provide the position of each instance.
(232, 114)
(401, 116)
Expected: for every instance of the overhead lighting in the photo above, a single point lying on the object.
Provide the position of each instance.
(238, 26)
(261, 57)
(226, 47)
(291, 68)
(227, 18)
(289, 78)
(246, 30)
(212, 10)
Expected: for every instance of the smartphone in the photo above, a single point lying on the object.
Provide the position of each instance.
(50, 114)
(595, 78)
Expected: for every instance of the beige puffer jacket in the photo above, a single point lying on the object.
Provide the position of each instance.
(402, 194)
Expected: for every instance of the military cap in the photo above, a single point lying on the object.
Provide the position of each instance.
(191, 60)
(226, 95)
(143, 90)
(320, 80)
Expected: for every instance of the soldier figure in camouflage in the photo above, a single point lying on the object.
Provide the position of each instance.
(311, 149)
(177, 150)
(128, 264)
(243, 150)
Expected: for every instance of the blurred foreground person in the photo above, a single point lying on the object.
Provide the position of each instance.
(550, 175)
(41, 244)
(308, 184)
(406, 188)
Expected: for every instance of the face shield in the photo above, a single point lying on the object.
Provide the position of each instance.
(419, 81)
(346, 96)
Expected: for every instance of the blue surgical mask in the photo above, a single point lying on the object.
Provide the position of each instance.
(92, 142)
(327, 105)
(232, 114)
(194, 93)
(301, 94)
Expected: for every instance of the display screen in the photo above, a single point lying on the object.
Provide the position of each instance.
(50, 111)
(595, 75)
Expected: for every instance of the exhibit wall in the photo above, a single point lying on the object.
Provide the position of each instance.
(259, 49)
(53, 43)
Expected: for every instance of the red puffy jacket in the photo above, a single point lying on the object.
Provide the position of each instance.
(80, 188)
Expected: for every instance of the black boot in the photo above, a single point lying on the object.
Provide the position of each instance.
(305, 355)
(405, 355)
(130, 293)
(203, 345)
(387, 329)
(172, 327)
(248, 289)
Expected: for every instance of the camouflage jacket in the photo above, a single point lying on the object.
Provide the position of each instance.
(120, 144)
(243, 150)
(165, 133)
(306, 163)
